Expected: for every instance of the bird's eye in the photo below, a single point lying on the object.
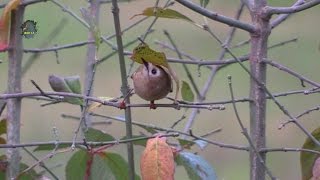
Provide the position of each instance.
(154, 71)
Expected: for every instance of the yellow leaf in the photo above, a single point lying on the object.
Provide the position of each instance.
(95, 105)
(157, 160)
(4, 23)
(163, 13)
(144, 53)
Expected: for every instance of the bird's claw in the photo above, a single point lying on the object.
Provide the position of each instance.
(152, 105)
(122, 105)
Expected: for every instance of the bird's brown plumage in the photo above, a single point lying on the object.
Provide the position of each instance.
(151, 82)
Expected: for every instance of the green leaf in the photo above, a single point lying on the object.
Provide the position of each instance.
(3, 126)
(76, 166)
(117, 165)
(73, 83)
(30, 175)
(196, 167)
(58, 84)
(69, 84)
(307, 159)
(163, 13)
(186, 143)
(97, 135)
(104, 166)
(204, 3)
(50, 147)
(186, 92)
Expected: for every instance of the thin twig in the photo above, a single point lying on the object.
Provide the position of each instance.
(217, 17)
(308, 111)
(42, 164)
(74, 15)
(219, 144)
(245, 131)
(280, 106)
(291, 72)
(267, 150)
(185, 67)
(82, 143)
(214, 70)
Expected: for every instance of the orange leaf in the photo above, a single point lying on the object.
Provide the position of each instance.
(4, 23)
(157, 161)
(316, 170)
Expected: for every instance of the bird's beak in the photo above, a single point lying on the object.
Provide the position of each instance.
(145, 63)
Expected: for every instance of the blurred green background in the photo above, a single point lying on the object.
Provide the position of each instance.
(303, 57)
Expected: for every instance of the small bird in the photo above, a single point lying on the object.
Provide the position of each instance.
(151, 82)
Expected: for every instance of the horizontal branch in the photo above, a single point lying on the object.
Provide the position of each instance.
(267, 150)
(107, 103)
(289, 71)
(217, 17)
(289, 10)
(246, 99)
(57, 48)
(219, 144)
(308, 111)
(90, 143)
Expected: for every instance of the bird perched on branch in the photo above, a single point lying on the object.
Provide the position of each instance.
(151, 82)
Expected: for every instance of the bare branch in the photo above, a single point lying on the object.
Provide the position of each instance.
(185, 67)
(293, 73)
(317, 108)
(217, 17)
(79, 143)
(267, 150)
(289, 10)
(245, 131)
(214, 70)
(281, 18)
(57, 48)
(219, 144)
(40, 164)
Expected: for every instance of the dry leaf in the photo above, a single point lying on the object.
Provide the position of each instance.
(5, 23)
(157, 160)
(163, 13)
(95, 105)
